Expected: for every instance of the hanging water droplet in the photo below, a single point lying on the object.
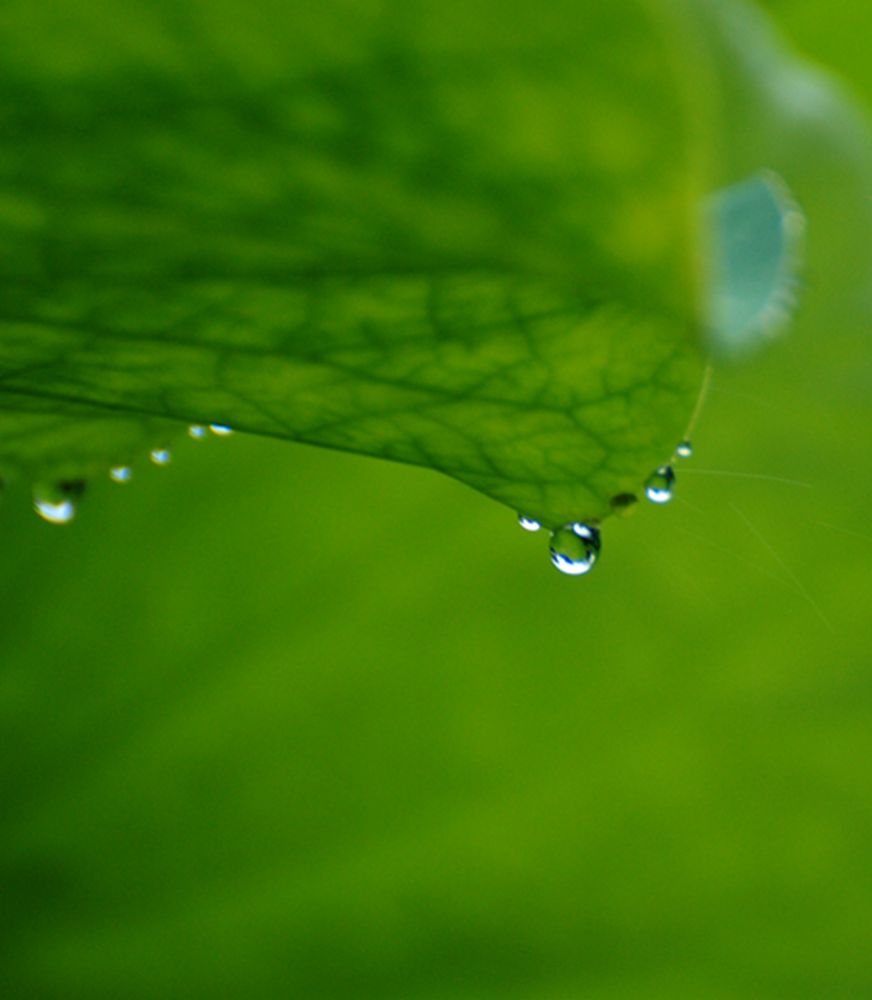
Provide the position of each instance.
(528, 524)
(222, 430)
(684, 450)
(57, 504)
(660, 485)
(121, 473)
(61, 512)
(161, 456)
(197, 431)
(575, 548)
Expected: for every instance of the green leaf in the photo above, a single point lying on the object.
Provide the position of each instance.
(468, 240)
(780, 115)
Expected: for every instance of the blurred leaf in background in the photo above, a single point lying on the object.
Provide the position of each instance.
(287, 722)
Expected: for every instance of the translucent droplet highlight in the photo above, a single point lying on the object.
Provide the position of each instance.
(161, 456)
(756, 254)
(222, 430)
(575, 548)
(197, 432)
(57, 504)
(528, 524)
(660, 485)
(121, 473)
(684, 450)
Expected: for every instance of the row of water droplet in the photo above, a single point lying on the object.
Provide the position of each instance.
(57, 503)
(575, 547)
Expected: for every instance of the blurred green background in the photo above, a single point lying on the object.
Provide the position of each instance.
(281, 722)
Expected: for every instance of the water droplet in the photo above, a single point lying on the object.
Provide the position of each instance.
(684, 450)
(57, 504)
(61, 512)
(623, 503)
(197, 431)
(528, 524)
(121, 473)
(161, 456)
(222, 430)
(575, 548)
(660, 485)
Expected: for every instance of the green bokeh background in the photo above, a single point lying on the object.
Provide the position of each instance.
(280, 722)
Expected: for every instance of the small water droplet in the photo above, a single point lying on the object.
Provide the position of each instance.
(222, 430)
(57, 504)
(660, 485)
(120, 473)
(575, 548)
(197, 431)
(528, 524)
(623, 503)
(161, 456)
(684, 450)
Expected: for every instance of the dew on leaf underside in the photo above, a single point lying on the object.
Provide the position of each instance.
(529, 523)
(57, 504)
(660, 485)
(575, 548)
(623, 503)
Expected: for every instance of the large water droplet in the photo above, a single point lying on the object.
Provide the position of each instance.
(61, 512)
(57, 504)
(528, 524)
(684, 450)
(660, 485)
(197, 431)
(161, 456)
(222, 430)
(575, 548)
(121, 473)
